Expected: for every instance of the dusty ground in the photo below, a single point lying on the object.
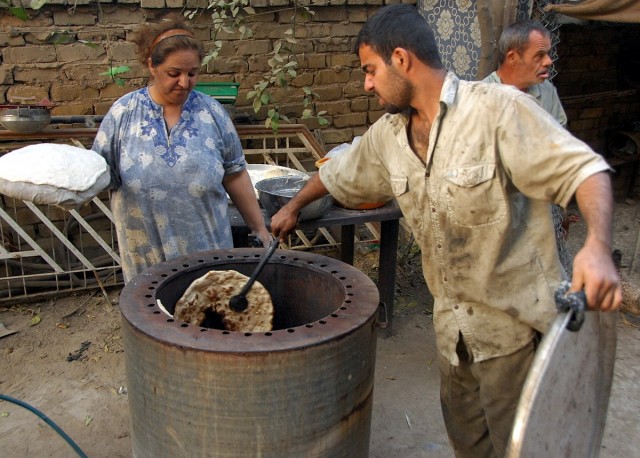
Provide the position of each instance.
(67, 360)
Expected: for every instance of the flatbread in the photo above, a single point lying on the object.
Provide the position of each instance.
(212, 292)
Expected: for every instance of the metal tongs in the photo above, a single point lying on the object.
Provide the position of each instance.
(238, 303)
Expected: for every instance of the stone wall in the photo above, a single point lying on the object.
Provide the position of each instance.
(599, 79)
(61, 50)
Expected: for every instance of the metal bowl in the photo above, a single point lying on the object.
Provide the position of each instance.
(274, 193)
(25, 120)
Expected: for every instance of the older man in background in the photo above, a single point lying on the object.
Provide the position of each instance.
(524, 62)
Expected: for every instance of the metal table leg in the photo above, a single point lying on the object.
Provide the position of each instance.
(347, 244)
(387, 270)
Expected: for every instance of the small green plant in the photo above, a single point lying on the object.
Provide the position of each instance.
(114, 72)
(232, 17)
(64, 36)
(20, 11)
(235, 16)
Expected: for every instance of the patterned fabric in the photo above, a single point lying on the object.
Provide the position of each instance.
(168, 199)
(478, 210)
(457, 30)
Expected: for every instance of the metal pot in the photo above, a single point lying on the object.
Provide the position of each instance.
(304, 389)
(24, 119)
(274, 193)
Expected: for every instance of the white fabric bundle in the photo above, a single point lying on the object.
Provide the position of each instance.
(52, 173)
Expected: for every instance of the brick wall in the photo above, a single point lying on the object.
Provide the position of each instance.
(599, 79)
(46, 57)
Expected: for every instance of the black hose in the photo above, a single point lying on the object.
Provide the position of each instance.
(47, 420)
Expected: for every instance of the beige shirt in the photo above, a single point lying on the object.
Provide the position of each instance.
(479, 209)
(544, 93)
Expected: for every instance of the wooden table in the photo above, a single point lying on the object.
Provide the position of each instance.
(389, 218)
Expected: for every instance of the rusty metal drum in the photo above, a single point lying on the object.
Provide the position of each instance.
(304, 389)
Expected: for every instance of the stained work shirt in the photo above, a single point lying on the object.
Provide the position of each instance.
(479, 209)
(168, 199)
(545, 94)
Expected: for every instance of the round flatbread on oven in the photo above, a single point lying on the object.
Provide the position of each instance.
(212, 292)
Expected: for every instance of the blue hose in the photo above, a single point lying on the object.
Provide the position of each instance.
(50, 422)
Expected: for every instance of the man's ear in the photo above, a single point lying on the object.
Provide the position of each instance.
(401, 58)
(512, 57)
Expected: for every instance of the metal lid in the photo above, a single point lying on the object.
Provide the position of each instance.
(564, 401)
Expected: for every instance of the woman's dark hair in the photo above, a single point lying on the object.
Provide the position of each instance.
(145, 36)
(399, 26)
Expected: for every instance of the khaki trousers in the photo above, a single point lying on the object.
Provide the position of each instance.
(479, 400)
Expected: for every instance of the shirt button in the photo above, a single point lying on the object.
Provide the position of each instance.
(433, 210)
(455, 307)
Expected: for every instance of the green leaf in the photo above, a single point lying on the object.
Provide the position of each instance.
(35, 320)
(264, 98)
(257, 104)
(20, 13)
(323, 121)
(4, 414)
(88, 43)
(37, 4)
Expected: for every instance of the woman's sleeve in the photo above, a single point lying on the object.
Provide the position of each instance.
(107, 145)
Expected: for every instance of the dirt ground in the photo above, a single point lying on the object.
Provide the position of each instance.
(67, 360)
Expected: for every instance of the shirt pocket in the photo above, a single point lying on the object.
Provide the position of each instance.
(474, 195)
(399, 185)
(406, 201)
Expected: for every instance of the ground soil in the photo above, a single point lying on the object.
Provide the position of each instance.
(67, 360)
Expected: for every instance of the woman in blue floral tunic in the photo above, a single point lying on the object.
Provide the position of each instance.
(174, 155)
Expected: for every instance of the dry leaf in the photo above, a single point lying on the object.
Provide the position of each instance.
(35, 319)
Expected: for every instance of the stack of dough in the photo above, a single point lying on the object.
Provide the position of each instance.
(213, 291)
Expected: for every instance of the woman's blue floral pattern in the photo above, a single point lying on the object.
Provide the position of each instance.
(168, 198)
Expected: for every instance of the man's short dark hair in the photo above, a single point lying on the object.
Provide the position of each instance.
(399, 26)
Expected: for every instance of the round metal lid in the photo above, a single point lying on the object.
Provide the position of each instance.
(563, 405)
